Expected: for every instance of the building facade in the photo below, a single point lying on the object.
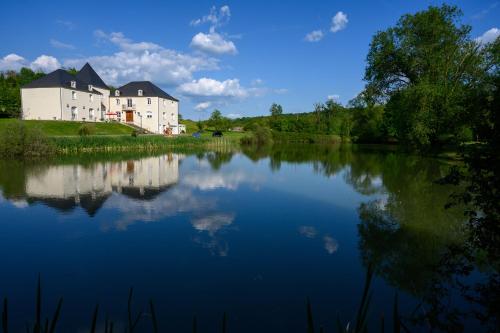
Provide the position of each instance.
(85, 97)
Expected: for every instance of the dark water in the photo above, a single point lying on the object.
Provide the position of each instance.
(252, 234)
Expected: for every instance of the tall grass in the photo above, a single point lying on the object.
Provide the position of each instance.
(132, 321)
(149, 143)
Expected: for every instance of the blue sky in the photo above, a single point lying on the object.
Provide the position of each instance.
(236, 56)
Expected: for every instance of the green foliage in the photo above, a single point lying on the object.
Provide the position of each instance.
(19, 140)
(134, 133)
(10, 96)
(86, 129)
(218, 121)
(260, 136)
(424, 68)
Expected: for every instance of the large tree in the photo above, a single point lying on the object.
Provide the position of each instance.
(423, 68)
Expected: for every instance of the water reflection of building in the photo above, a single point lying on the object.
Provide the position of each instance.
(67, 186)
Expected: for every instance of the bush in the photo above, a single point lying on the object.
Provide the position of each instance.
(135, 133)
(16, 139)
(86, 130)
(260, 136)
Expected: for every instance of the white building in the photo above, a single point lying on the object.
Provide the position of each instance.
(85, 97)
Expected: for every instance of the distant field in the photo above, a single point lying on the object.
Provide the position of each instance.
(70, 128)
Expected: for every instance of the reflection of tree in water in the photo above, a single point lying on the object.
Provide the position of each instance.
(218, 159)
(420, 247)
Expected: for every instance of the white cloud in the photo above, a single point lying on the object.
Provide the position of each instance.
(12, 62)
(202, 106)
(334, 97)
(215, 18)
(45, 63)
(489, 36)
(144, 61)
(314, 36)
(213, 43)
(308, 231)
(339, 22)
(15, 62)
(60, 45)
(206, 87)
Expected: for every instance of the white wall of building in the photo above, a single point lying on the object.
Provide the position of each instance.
(151, 113)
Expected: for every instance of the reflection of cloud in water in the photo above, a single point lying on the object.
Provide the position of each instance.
(331, 244)
(211, 181)
(213, 223)
(308, 231)
(177, 200)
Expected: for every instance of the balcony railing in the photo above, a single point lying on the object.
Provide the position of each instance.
(128, 107)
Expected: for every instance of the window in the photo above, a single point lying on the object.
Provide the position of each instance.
(73, 95)
(118, 115)
(73, 84)
(117, 101)
(164, 116)
(139, 92)
(149, 101)
(74, 113)
(149, 114)
(91, 114)
(129, 102)
(90, 87)
(91, 97)
(117, 92)
(164, 102)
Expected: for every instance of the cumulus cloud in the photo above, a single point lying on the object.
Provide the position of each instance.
(60, 45)
(314, 36)
(206, 87)
(489, 36)
(308, 231)
(213, 43)
(12, 62)
(339, 22)
(334, 97)
(234, 115)
(15, 62)
(45, 63)
(144, 61)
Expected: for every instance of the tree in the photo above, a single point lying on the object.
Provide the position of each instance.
(10, 95)
(218, 121)
(423, 68)
(276, 112)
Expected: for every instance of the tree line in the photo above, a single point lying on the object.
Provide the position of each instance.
(428, 82)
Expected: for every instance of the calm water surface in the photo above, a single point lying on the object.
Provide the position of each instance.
(251, 233)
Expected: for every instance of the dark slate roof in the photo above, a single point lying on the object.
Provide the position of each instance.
(148, 90)
(88, 75)
(60, 79)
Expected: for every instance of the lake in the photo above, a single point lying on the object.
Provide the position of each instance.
(250, 233)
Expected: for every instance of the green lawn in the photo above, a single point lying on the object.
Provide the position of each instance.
(70, 128)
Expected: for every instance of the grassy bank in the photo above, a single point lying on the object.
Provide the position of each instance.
(68, 145)
(69, 128)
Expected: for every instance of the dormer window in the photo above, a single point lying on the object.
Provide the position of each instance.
(139, 92)
(73, 84)
(90, 87)
(117, 92)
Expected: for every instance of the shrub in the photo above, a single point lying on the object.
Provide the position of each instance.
(135, 133)
(16, 139)
(86, 130)
(260, 136)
